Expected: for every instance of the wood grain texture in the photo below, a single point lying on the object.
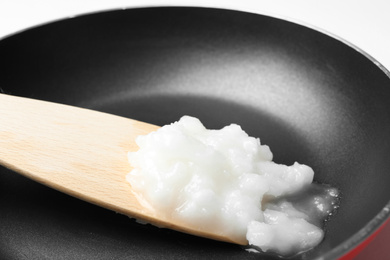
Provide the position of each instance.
(80, 152)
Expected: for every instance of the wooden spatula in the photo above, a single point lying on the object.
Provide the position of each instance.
(80, 152)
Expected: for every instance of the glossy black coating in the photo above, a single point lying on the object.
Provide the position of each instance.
(310, 97)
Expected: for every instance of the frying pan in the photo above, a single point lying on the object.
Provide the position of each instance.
(309, 96)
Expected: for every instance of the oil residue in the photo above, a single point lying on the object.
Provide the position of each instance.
(317, 201)
(316, 204)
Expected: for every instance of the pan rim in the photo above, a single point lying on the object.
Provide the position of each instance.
(236, 9)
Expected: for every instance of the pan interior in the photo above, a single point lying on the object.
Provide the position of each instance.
(311, 98)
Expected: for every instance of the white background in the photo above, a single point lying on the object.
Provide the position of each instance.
(364, 23)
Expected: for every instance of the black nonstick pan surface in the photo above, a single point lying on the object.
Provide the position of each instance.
(311, 97)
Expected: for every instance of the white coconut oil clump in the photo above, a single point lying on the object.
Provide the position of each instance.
(226, 182)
